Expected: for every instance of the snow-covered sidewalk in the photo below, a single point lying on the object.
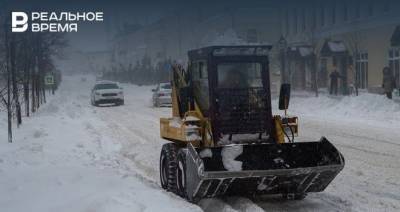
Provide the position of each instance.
(371, 109)
(63, 159)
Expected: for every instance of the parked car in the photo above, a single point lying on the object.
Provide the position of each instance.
(107, 92)
(162, 95)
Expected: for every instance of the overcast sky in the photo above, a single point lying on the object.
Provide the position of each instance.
(95, 36)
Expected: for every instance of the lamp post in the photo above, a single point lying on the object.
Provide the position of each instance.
(282, 43)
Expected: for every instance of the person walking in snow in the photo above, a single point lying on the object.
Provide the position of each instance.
(389, 82)
(334, 81)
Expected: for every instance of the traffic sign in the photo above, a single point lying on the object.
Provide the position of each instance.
(49, 79)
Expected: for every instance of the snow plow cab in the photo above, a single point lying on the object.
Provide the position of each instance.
(224, 138)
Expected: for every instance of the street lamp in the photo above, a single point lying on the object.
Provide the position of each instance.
(282, 43)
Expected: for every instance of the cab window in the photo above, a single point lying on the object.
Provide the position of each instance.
(200, 83)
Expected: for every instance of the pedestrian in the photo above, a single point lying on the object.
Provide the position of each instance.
(334, 81)
(351, 80)
(389, 82)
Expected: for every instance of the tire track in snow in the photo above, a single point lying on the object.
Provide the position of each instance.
(136, 126)
(371, 162)
(127, 123)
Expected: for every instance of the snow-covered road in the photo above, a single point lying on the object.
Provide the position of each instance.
(74, 157)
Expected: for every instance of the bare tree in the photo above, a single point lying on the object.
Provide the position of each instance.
(25, 58)
(354, 40)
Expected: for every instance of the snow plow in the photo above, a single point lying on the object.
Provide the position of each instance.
(224, 138)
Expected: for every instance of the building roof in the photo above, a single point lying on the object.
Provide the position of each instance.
(305, 51)
(333, 48)
(300, 51)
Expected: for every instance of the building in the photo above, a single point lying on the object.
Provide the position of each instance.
(322, 35)
(76, 61)
(172, 36)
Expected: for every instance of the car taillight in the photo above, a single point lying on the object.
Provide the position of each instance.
(161, 94)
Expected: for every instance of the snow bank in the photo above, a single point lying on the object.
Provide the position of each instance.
(66, 157)
(366, 108)
(206, 153)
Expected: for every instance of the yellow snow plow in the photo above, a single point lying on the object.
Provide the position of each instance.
(224, 138)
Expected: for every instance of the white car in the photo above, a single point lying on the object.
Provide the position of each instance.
(107, 92)
(162, 95)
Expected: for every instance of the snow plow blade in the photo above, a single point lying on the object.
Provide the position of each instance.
(287, 169)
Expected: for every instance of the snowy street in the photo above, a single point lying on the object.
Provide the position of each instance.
(71, 156)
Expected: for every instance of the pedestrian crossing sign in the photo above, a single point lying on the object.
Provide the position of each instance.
(49, 79)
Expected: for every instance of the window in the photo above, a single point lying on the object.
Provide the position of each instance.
(239, 75)
(386, 6)
(287, 22)
(345, 12)
(195, 70)
(333, 13)
(322, 15)
(394, 63)
(252, 36)
(323, 73)
(200, 84)
(357, 14)
(103, 86)
(370, 8)
(295, 21)
(199, 70)
(303, 20)
(313, 18)
(203, 74)
(362, 70)
(165, 86)
(160, 54)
